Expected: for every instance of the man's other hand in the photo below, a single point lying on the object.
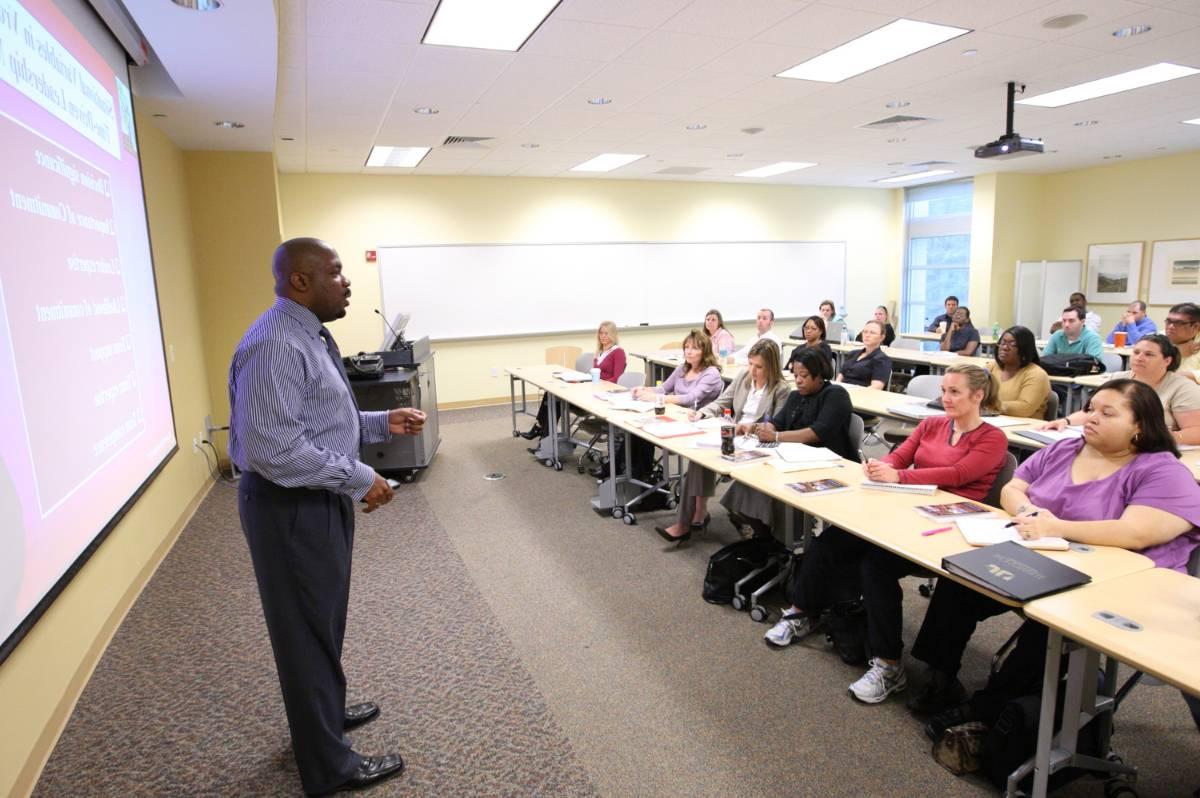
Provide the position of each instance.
(405, 421)
(380, 494)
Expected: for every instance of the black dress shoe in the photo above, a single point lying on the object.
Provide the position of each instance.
(358, 714)
(535, 432)
(941, 693)
(676, 539)
(373, 770)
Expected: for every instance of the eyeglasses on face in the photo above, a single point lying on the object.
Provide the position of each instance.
(1177, 322)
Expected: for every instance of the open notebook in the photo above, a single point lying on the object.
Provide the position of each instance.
(987, 531)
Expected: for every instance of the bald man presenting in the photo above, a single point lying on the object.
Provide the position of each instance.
(295, 432)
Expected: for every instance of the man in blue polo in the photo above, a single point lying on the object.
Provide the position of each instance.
(1135, 324)
(1074, 338)
(295, 432)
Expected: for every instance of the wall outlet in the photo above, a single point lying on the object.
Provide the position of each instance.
(196, 443)
(495, 371)
(208, 428)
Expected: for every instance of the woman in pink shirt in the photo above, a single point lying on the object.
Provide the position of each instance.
(714, 325)
(958, 452)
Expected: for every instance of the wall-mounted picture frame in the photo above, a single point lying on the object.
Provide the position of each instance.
(1114, 273)
(1175, 271)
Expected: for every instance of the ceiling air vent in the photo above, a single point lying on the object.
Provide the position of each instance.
(468, 142)
(895, 122)
(682, 170)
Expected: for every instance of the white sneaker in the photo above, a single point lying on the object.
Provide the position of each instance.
(791, 627)
(879, 682)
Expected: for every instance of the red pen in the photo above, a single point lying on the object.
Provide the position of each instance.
(929, 532)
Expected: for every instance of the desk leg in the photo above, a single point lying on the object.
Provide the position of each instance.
(552, 407)
(1041, 758)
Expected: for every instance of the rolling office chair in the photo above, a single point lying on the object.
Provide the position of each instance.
(583, 361)
(1112, 362)
(925, 386)
(597, 428)
(1051, 407)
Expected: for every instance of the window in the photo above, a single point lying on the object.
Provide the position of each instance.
(936, 262)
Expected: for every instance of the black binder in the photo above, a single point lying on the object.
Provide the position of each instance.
(1014, 571)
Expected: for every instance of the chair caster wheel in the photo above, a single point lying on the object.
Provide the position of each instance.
(925, 590)
(516, 434)
(629, 518)
(617, 512)
(671, 504)
(558, 466)
(407, 477)
(758, 613)
(738, 603)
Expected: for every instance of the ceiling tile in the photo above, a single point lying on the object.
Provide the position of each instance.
(823, 27)
(668, 49)
(590, 41)
(738, 18)
(634, 13)
(385, 23)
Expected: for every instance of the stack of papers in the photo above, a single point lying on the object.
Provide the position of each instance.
(801, 457)
(916, 411)
(1049, 436)
(627, 402)
(670, 429)
(570, 375)
(1007, 421)
(988, 531)
(900, 487)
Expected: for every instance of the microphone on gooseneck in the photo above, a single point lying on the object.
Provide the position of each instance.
(395, 337)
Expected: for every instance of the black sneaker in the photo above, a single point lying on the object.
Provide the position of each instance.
(941, 693)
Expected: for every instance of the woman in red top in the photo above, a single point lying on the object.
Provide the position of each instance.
(609, 358)
(958, 452)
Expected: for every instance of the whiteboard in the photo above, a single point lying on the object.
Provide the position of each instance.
(482, 290)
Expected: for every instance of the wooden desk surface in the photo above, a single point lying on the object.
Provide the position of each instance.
(579, 394)
(683, 445)
(888, 520)
(1166, 604)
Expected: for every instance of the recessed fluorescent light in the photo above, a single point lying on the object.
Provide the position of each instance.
(406, 157)
(916, 176)
(599, 100)
(775, 169)
(607, 162)
(1125, 81)
(1132, 30)
(881, 46)
(486, 24)
(1195, 121)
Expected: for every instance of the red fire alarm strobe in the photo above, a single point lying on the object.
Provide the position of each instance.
(370, 256)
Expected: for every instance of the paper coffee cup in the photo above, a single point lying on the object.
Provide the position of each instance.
(595, 375)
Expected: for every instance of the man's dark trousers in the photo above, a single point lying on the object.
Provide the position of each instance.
(300, 543)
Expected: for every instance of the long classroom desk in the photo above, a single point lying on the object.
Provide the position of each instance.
(1163, 641)
(879, 516)
(987, 344)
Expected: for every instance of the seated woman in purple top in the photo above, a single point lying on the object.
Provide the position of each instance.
(696, 381)
(1121, 485)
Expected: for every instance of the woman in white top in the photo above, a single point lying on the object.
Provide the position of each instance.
(714, 325)
(757, 393)
(1155, 361)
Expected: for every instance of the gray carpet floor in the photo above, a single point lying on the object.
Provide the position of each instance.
(522, 645)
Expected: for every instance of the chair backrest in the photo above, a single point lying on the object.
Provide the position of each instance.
(928, 386)
(1112, 362)
(669, 345)
(1006, 473)
(583, 362)
(563, 355)
(906, 343)
(857, 430)
(1051, 407)
(632, 379)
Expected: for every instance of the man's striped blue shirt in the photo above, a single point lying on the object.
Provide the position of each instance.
(293, 419)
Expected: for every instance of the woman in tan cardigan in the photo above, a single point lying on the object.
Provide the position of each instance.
(756, 393)
(1024, 385)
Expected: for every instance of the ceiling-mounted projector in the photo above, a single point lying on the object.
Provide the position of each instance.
(1011, 144)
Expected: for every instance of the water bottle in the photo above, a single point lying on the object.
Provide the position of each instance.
(727, 430)
(996, 331)
(660, 400)
(845, 334)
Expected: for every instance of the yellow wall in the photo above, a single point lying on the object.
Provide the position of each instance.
(1056, 217)
(356, 213)
(42, 679)
(235, 224)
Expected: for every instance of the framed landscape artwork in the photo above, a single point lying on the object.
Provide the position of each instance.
(1114, 272)
(1175, 272)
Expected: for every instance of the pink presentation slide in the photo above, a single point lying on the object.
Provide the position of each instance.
(85, 413)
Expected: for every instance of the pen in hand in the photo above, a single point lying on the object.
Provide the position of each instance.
(1014, 523)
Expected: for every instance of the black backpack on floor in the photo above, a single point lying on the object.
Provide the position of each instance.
(732, 563)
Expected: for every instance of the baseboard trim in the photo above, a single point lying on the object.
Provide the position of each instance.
(466, 403)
